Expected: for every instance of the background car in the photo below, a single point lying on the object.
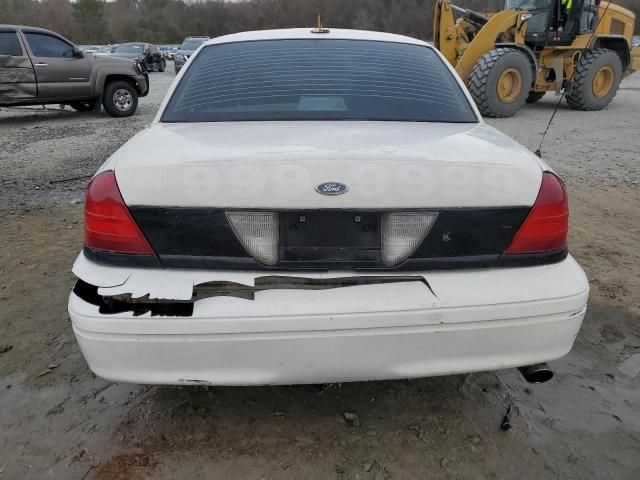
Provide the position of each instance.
(42, 68)
(147, 53)
(98, 50)
(168, 51)
(189, 45)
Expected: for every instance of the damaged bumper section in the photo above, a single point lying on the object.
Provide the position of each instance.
(126, 302)
(253, 328)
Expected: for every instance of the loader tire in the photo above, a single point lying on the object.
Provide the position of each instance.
(535, 96)
(500, 82)
(595, 81)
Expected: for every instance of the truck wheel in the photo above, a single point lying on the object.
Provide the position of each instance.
(500, 82)
(595, 81)
(535, 96)
(120, 99)
(163, 65)
(86, 106)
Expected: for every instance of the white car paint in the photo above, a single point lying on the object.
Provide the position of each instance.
(464, 320)
(245, 162)
(277, 164)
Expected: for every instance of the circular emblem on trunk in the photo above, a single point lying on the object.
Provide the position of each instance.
(332, 188)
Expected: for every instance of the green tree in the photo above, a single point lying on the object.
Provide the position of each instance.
(57, 15)
(89, 16)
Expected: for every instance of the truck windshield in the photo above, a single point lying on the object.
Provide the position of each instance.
(539, 10)
(528, 4)
(318, 80)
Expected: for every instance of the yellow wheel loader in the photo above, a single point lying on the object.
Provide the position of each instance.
(532, 47)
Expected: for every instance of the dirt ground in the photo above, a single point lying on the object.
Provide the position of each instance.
(57, 420)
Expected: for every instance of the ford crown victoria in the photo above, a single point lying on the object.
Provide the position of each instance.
(324, 206)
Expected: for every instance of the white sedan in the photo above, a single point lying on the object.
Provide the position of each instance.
(322, 206)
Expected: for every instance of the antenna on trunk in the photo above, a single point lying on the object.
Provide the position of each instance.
(319, 28)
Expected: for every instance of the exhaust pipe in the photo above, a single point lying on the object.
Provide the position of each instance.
(538, 373)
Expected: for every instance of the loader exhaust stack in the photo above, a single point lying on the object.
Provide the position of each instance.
(470, 14)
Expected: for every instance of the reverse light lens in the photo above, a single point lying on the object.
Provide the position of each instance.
(108, 225)
(402, 233)
(258, 232)
(547, 225)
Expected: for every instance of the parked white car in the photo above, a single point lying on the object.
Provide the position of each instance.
(322, 207)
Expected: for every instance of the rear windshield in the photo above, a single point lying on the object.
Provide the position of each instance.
(318, 80)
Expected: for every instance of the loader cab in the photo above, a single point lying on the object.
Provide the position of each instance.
(552, 23)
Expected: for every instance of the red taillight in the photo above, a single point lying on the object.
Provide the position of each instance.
(547, 224)
(108, 225)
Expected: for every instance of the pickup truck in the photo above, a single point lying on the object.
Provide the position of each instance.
(40, 67)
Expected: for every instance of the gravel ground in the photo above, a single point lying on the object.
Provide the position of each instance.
(57, 420)
(48, 145)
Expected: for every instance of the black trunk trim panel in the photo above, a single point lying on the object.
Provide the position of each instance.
(326, 239)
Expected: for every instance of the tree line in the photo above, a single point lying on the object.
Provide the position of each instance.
(169, 21)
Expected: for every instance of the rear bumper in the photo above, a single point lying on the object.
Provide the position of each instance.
(473, 320)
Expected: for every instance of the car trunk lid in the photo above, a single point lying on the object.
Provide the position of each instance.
(279, 165)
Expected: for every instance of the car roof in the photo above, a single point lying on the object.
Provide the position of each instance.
(25, 28)
(308, 33)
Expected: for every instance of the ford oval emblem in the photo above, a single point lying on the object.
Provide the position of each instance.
(332, 188)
